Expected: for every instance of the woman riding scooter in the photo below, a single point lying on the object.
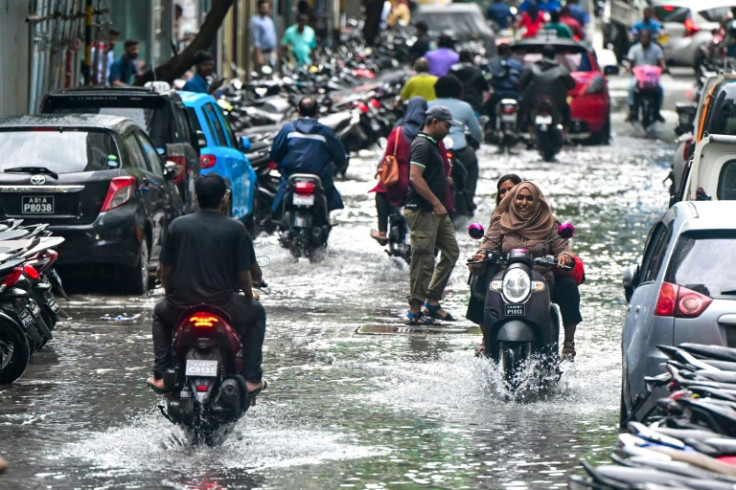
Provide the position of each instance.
(523, 219)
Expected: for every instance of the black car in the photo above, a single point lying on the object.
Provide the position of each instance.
(160, 112)
(100, 184)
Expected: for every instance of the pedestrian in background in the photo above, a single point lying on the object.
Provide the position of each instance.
(400, 14)
(204, 66)
(441, 59)
(124, 68)
(264, 36)
(426, 211)
(103, 56)
(531, 21)
(421, 84)
(299, 41)
(579, 14)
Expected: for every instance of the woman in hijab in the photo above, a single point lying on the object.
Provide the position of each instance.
(399, 143)
(525, 220)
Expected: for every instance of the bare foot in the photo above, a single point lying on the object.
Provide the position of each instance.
(157, 383)
(3, 464)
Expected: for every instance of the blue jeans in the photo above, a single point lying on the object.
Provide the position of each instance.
(658, 99)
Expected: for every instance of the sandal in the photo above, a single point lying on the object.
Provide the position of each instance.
(381, 239)
(568, 350)
(257, 391)
(480, 351)
(155, 388)
(434, 312)
(419, 319)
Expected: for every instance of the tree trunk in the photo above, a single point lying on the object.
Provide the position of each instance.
(373, 10)
(179, 64)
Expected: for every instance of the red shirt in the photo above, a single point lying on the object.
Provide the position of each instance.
(532, 26)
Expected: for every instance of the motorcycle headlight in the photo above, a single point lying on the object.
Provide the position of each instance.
(516, 286)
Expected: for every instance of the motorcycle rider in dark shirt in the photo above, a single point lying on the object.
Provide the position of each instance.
(546, 78)
(475, 85)
(307, 146)
(207, 257)
(505, 71)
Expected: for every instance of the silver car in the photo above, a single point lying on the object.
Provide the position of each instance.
(683, 291)
(688, 25)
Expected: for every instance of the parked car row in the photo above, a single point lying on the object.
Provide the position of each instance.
(110, 168)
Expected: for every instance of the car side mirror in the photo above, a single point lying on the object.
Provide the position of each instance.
(566, 230)
(244, 143)
(631, 280)
(610, 70)
(201, 140)
(476, 231)
(171, 170)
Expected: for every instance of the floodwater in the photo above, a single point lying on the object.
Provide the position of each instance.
(343, 409)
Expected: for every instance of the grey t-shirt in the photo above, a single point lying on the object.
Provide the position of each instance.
(639, 56)
(206, 251)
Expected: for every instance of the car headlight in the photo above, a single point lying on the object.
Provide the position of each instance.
(516, 286)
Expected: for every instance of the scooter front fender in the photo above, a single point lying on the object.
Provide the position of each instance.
(515, 331)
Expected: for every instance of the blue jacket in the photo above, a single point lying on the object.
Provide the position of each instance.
(308, 146)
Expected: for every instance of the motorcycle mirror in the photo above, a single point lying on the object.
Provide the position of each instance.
(566, 230)
(476, 231)
(266, 70)
(448, 142)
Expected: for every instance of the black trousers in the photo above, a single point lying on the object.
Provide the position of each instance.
(384, 209)
(470, 161)
(248, 319)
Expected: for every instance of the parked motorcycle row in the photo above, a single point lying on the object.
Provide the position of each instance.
(688, 440)
(28, 309)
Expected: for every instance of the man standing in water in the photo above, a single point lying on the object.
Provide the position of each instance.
(428, 220)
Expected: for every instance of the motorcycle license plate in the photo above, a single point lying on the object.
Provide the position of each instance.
(53, 305)
(508, 117)
(37, 205)
(26, 318)
(298, 200)
(201, 368)
(35, 309)
(543, 120)
(515, 310)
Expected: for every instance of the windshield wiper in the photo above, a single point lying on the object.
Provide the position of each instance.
(32, 170)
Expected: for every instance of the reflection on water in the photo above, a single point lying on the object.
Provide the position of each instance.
(345, 409)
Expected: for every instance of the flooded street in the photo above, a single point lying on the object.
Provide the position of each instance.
(345, 409)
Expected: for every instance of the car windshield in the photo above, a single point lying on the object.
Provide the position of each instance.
(61, 152)
(671, 13)
(466, 25)
(571, 61)
(700, 262)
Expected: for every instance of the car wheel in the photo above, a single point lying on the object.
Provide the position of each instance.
(138, 277)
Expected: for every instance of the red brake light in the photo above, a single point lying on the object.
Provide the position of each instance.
(273, 165)
(203, 320)
(375, 103)
(31, 272)
(181, 162)
(690, 27)
(304, 188)
(362, 106)
(119, 192)
(11, 278)
(509, 109)
(201, 388)
(680, 302)
(668, 8)
(207, 161)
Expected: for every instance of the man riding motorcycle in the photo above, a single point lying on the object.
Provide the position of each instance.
(505, 72)
(206, 258)
(545, 78)
(307, 146)
(644, 53)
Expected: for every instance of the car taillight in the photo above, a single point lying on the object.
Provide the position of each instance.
(680, 302)
(203, 320)
(207, 161)
(120, 191)
(181, 162)
(304, 188)
(596, 85)
(31, 272)
(690, 27)
(11, 278)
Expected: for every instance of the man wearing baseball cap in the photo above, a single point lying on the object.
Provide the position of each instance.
(206, 257)
(426, 214)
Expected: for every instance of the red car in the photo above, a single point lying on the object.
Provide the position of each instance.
(590, 104)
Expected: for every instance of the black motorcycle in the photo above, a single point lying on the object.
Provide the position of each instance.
(209, 393)
(546, 122)
(398, 237)
(521, 325)
(505, 132)
(304, 225)
(459, 175)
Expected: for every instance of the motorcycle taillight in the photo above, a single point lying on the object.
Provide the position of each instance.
(203, 320)
(304, 188)
(11, 278)
(31, 272)
(509, 109)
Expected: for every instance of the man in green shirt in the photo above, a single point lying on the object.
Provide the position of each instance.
(421, 84)
(555, 25)
(299, 39)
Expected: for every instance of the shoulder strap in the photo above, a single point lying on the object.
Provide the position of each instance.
(396, 141)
